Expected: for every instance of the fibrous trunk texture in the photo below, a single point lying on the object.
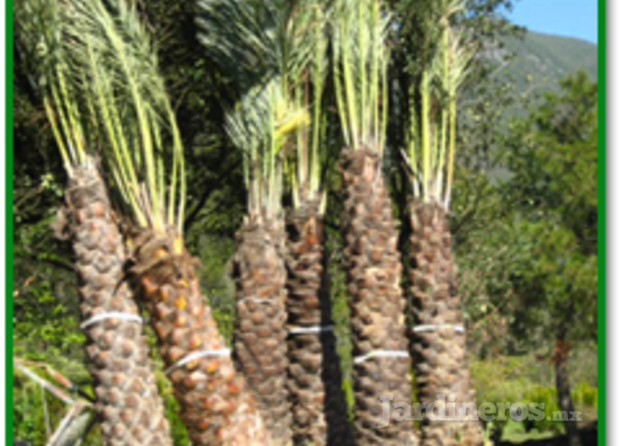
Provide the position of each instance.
(439, 348)
(315, 380)
(128, 402)
(375, 300)
(216, 406)
(260, 333)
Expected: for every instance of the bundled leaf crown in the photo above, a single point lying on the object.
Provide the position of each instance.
(97, 72)
(431, 136)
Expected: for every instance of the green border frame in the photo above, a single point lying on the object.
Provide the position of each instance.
(601, 224)
(601, 361)
(8, 184)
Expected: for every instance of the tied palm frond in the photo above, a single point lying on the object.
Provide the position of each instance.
(50, 34)
(270, 48)
(305, 167)
(431, 135)
(360, 30)
(144, 150)
(260, 126)
(40, 26)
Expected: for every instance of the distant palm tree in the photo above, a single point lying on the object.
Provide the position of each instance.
(112, 52)
(127, 398)
(373, 267)
(439, 342)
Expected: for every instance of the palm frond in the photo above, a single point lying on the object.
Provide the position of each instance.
(40, 29)
(360, 30)
(304, 178)
(432, 143)
(276, 51)
(260, 125)
(112, 60)
(256, 40)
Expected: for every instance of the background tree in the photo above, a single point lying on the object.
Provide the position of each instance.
(554, 188)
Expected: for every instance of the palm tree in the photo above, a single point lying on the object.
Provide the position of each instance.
(438, 345)
(127, 398)
(381, 360)
(260, 331)
(144, 153)
(315, 380)
(267, 47)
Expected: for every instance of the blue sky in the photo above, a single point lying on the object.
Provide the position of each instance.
(571, 18)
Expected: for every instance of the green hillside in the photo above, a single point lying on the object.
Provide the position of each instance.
(535, 63)
(544, 58)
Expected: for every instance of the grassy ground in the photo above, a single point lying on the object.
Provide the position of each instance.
(514, 433)
(587, 433)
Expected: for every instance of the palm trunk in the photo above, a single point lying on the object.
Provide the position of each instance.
(216, 406)
(563, 389)
(439, 348)
(128, 402)
(315, 381)
(375, 301)
(260, 333)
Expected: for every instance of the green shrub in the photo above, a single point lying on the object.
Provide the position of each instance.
(584, 395)
(547, 397)
(521, 379)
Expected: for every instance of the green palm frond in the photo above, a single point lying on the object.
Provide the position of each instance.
(99, 78)
(134, 108)
(360, 30)
(431, 136)
(306, 165)
(276, 51)
(260, 125)
(256, 40)
(40, 28)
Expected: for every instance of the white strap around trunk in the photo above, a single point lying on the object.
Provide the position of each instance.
(198, 355)
(427, 328)
(111, 315)
(382, 354)
(256, 300)
(310, 330)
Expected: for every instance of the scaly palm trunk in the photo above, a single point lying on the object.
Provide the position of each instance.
(259, 333)
(315, 381)
(127, 397)
(375, 300)
(216, 406)
(439, 349)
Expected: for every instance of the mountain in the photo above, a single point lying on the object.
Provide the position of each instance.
(543, 59)
(535, 63)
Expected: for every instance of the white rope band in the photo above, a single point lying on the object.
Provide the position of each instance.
(256, 300)
(309, 330)
(427, 328)
(197, 355)
(111, 315)
(382, 354)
